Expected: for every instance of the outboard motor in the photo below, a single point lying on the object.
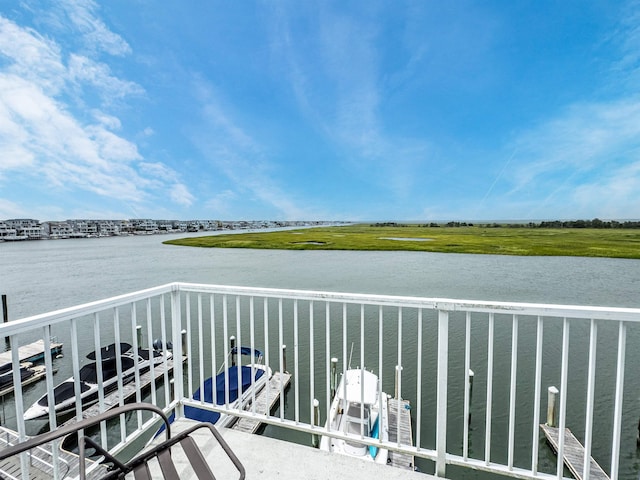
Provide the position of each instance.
(158, 346)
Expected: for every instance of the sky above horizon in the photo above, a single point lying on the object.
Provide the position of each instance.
(287, 110)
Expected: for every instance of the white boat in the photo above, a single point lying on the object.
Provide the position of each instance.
(65, 394)
(358, 409)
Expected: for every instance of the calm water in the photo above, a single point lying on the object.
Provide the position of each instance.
(46, 275)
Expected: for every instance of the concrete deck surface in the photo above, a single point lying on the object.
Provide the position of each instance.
(265, 457)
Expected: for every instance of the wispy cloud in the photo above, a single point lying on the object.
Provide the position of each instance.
(95, 33)
(336, 75)
(42, 137)
(241, 159)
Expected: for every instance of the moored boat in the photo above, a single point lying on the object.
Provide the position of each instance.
(359, 409)
(64, 394)
(234, 386)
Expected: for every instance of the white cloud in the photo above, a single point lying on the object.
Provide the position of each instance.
(180, 194)
(32, 57)
(43, 139)
(83, 70)
(95, 32)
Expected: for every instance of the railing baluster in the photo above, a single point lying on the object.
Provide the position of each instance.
(419, 362)
(189, 352)
(536, 398)
(48, 364)
(312, 370)
(116, 330)
(563, 396)
(96, 344)
(617, 415)
(265, 313)
(362, 370)
(281, 340)
(380, 364)
(225, 332)
(399, 373)
(441, 409)
(134, 337)
(163, 336)
(588, 427)
(252, 344)
(214, 367)
(152, 369)
(487, 438)
(512, 389)
(327, 318)
(296, 373)
(239, 349)
(467, 392)
(189, 355)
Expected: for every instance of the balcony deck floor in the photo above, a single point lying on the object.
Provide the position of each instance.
(265, 457)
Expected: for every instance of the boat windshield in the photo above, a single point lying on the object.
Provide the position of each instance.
(89, 373)
(63, 392)
(357, 425)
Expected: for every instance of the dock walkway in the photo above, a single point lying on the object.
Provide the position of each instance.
(400, 460)
(40, 460)
(32, 352)
(573, 454)
(265, 401)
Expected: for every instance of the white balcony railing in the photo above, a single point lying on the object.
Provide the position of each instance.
(515, 350)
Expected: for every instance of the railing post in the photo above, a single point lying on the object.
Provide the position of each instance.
(176, 333)
(441, 409)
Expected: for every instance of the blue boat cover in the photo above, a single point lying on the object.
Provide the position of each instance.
(203, 415)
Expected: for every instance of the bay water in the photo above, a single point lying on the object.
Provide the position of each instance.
(40, 276)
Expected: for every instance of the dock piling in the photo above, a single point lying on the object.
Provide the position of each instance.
(139, 335)
(284, 358)
(232, 345)
(470, 379)
(552, 397)
(5, 313)
(315, 439)
(333, 380)
(398, 381)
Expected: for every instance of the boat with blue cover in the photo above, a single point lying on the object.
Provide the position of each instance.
(235, 386)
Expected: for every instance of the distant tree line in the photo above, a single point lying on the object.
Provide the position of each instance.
(595, 223)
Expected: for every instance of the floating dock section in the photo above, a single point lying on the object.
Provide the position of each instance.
(266, 399)
(573, 454)
(40, 460)
(33, 352)
(402, 423)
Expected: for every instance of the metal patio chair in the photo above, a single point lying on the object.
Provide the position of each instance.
(139, 466)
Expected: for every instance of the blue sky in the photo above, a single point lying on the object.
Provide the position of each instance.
(414, 110)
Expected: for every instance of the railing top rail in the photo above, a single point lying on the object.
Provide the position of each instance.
(50, 318)
(445, 304)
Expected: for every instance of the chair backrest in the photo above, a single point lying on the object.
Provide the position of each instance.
(139, 464)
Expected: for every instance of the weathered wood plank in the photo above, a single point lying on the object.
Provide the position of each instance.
(31, 352)
(266, 398)
(573, 454)
(400, 460)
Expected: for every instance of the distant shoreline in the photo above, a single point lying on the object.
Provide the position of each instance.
(486, 240)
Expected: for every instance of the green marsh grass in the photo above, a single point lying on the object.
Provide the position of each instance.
(617, 243)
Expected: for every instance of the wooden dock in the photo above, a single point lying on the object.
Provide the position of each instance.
(33, 352)
(40, 460)
(400, 460)
(573, 454)
(271, 393)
